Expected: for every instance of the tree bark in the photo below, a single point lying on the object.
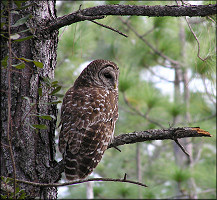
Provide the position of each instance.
(33, 152)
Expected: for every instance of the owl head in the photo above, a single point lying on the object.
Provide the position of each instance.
(99, 73)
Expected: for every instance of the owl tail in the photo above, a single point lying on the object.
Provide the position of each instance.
(71, 166)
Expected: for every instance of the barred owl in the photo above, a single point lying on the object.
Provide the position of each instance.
(88, 116)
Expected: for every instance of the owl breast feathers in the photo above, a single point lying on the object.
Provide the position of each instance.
(88, 116)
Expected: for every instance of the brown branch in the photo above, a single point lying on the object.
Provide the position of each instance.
(108, 27)
(158, 134)
(130, 138)
(98, 12)
(198, 43)
(182, 148)
(9, 98)
(124, 180)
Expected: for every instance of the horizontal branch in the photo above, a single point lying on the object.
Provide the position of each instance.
(124, 180)
(158, 134)
(148, 135)
(98, 12)
(153, 134)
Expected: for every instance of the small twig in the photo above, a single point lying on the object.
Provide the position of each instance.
(146, 33)
(160, 77)
(9, 98)
(211, 19)
(80, 181)
(198, 43)
(182, 148)
(116, 148)
(80, 7)
(108, 27)
(125, 176)
(59, 39)
(206, 90)
(5, 145)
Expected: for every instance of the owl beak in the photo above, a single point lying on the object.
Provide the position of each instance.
(115, 86)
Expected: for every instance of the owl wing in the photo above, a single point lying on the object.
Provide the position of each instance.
(88, 120)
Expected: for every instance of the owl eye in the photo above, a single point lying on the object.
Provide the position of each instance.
(108, 76)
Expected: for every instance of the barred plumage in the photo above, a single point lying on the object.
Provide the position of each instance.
(88, 116)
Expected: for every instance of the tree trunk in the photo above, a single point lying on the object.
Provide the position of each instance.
(138, 168)
(89, 190)
(32, 151)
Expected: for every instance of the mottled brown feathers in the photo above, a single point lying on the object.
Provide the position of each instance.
(88, 115)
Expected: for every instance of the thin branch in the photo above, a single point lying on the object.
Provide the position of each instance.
(198, 43)
(148, 32)
(211, 19)
(160, 77)
(108, 27)
(158, 134)
(182, 148)
(124, 180)
(98, 12)
(9, 98)
(206, 90)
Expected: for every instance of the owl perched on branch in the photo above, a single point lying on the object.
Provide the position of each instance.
(88, 116)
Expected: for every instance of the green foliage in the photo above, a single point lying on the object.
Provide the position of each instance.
(39, 126)
(126, 79)
(175, 109)
(180, 175)
(22, 21)
(7, 189)
(19, 66)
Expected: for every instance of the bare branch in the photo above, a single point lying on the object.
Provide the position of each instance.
(158, 134)
(160, 77)
(9, 99)
(108, 27)
(198, 43)
(182, 148)
(211, 98)
(124, 180)
(99, 12)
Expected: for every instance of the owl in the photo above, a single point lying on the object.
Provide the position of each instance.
(88, 116)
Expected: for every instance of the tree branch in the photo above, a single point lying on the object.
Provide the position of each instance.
(79, 181)
(158, 134)
(130, 138)
(108, 27)
(98, 12)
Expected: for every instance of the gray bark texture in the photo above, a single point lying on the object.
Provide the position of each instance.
(33, 152)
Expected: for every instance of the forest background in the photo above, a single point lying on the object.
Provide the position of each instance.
(153, 93)
(167, 79)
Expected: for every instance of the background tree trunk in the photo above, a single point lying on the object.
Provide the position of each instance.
(33, 152)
